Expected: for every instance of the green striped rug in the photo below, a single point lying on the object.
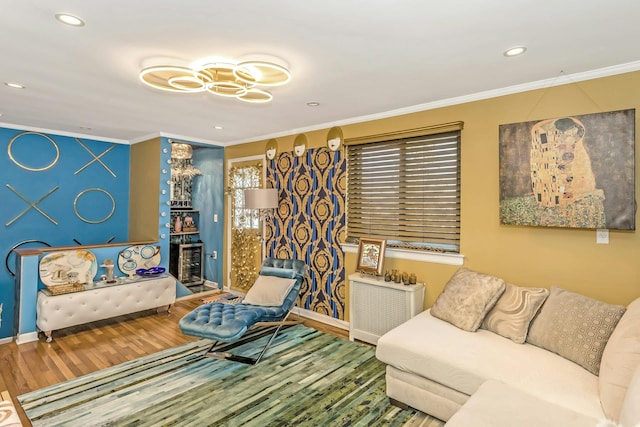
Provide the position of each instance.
(307, 378)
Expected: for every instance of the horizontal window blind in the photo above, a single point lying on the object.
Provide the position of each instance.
(406, 191)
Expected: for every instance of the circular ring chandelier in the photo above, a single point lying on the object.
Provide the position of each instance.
(240, 81)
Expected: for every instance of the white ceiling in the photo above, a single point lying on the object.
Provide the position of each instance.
(358, 59)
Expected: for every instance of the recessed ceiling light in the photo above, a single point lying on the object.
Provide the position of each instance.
(515, 51)
(68, 19)
(313, 103)
(218, 127)
(14, 85)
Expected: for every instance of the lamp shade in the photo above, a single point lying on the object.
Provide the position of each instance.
(261, 198)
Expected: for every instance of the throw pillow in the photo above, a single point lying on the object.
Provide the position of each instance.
(620, 360)
(575, 327)
(512, 314)
(467, 298)
(269, 291)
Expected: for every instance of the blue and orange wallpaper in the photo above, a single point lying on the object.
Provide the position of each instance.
(309, 224)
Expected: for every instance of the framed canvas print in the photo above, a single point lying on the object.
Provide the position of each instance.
(371, 256)
(574, 171)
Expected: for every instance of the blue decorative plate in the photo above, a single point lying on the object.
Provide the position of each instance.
(150, 272)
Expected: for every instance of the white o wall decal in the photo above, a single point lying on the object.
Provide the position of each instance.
(26, 167)
(75, 205)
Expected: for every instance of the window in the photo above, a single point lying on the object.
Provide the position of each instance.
(406, 191)
(242, 178)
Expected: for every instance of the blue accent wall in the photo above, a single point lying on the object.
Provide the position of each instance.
(165, 202)
(208, 198)
(75, 188)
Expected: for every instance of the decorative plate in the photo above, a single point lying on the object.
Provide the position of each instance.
(137, 257)
(55, 267)
(150, 272)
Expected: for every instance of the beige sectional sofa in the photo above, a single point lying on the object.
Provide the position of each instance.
(492, 375)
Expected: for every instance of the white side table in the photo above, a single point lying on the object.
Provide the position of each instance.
(376, 306)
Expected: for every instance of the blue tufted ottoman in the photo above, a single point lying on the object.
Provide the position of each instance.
(227, 323)
(220, 322)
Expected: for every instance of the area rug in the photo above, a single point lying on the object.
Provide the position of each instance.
(307, 378)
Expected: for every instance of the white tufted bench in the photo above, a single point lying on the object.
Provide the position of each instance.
(61, 311)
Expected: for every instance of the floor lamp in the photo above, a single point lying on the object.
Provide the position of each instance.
(265, 200)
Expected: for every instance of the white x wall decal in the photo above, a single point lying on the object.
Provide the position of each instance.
(95, 158)
(32, 205)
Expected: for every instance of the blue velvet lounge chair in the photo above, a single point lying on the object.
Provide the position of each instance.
(267, 304)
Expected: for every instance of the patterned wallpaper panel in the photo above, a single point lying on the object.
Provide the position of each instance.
(310, 224)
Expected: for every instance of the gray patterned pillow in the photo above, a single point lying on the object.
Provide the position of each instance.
(467, 298)
(513, 312)
(575, 326)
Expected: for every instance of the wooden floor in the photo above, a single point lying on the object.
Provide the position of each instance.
(87, 348)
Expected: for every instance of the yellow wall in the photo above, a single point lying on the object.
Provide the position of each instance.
(525, 256)
(143, 204)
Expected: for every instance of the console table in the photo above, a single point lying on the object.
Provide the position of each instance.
(376, 306)
(102, 300)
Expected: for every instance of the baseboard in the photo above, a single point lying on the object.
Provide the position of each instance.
(6, 340)
(198, 295)
(321, 318)
(25, 338)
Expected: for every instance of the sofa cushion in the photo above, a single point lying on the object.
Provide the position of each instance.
(497, 404)
(513, 312)
(575, 327)
(467, 298)
(462, 361)
(620, 359)
(630, 413)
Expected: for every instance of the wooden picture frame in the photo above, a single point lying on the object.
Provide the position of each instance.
(371, 256)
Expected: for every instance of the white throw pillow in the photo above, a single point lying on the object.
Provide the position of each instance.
(467, 298)
(269, 291)
(513, 312)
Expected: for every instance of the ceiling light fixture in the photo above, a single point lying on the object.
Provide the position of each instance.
(226, 79)
(515, 51)
(14, 85)
(68, 19)
(313, 104)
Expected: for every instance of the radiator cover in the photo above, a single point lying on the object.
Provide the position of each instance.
(376, 306)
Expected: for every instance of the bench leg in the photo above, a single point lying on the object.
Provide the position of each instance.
(161, 309)
(49, 336)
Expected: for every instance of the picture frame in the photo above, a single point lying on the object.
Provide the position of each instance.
(371, 256)
(573, 171)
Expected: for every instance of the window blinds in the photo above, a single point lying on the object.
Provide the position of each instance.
(406, 191)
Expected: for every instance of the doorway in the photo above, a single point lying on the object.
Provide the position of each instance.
(243, 231)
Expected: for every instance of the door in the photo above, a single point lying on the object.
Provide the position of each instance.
(244, 233)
